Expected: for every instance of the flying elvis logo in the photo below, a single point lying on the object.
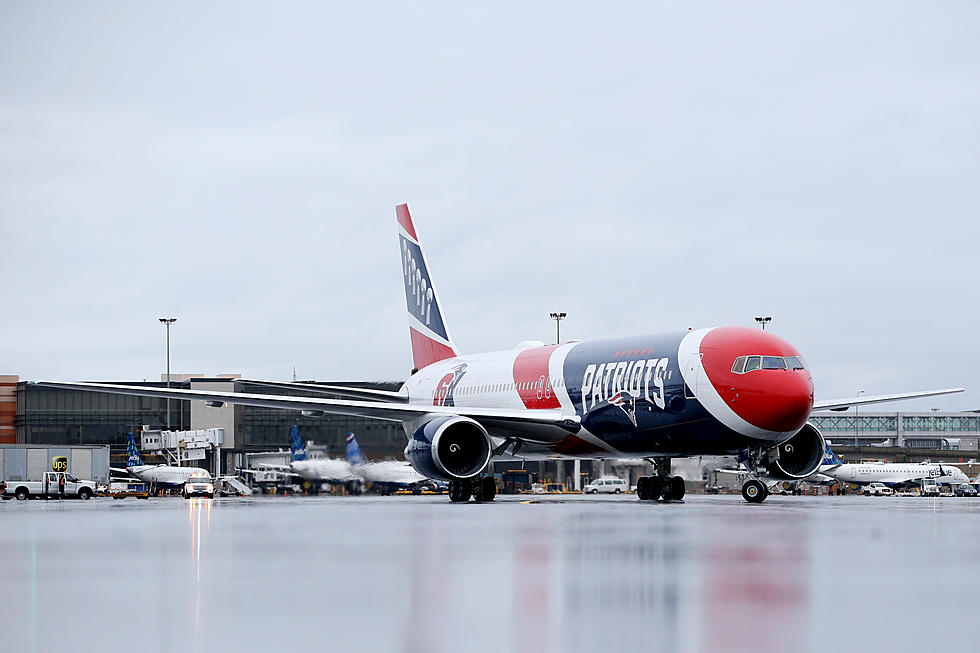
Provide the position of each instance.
(418, 289)
(615, 381)
(447, 386)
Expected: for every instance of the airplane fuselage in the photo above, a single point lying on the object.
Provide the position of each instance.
(672, 394)
(864, 473)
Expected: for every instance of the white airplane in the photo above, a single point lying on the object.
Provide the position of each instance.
(888, 473)
(727, 390)
(393, 472)
(167, 475)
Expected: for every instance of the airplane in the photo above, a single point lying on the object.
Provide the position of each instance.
(387, 475)
(160, 475)
(724, 390)
(888, 473)
(316, 470)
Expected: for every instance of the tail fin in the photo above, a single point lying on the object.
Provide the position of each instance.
(296, 447)
(830, 458)
(354, 455)
(431, 341)
(134, 454)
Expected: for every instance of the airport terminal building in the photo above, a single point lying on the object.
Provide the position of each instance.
(53, 416)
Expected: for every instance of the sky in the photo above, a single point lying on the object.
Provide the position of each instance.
(643, 167)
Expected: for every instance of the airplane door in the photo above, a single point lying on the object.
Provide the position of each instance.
(692, 376)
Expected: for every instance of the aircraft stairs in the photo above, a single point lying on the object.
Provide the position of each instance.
(235, 485)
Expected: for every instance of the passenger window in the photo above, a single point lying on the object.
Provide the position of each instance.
(773, 363)
(753, 363)
(739, 366)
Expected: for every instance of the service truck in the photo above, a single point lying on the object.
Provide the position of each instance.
(52, 485)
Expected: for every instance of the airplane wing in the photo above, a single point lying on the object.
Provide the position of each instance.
(364, 394)
(384, 410)
(844, 404)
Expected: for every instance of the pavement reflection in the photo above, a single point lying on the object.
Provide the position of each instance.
(422, 575)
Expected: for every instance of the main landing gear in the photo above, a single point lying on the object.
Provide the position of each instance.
(662, 486)
(482, 489)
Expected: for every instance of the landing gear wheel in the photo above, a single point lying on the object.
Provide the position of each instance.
(656, 488)
(643, 488)
(484, 489)
(460, 491)
(673, 489)
(754, 491)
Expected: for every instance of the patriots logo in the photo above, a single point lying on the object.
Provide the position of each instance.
(447, 386)
(626, 402)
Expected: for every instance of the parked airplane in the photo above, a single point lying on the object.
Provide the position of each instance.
(161, 475)
(888, 473)
(710, 391)
(389, 475)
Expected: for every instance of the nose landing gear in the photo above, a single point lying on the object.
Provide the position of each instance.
(662, 486)
(754, 491)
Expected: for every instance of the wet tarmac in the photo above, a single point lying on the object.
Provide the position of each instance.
(559, 574)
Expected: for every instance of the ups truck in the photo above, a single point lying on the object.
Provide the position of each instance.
(53, 485)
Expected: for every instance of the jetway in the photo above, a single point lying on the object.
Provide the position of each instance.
(180, 446)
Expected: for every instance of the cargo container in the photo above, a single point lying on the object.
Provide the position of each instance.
(29, 462)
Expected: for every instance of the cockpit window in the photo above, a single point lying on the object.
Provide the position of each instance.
(795, 363)
(745, 364)
(773, 363)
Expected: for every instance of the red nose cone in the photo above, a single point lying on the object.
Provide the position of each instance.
(777, 400)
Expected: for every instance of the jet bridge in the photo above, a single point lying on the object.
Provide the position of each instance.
(179, 446)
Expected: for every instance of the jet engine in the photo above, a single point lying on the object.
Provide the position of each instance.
(449, 448)
(798, 457)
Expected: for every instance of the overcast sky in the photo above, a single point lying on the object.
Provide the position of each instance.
(643, 167)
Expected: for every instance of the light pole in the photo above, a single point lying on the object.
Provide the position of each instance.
(558, 317)
(764, 320)
(856, 408)
(168, 321)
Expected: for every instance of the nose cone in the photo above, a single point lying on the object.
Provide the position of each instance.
(772, 397)
(775, 400)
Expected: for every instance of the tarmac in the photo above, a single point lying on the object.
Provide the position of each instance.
(527, 574)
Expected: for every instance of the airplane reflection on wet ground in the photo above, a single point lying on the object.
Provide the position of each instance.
(419, 574)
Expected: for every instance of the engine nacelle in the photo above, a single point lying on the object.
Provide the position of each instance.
(799, 456)
(449, 448)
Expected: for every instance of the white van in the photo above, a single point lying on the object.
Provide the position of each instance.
(606, 485)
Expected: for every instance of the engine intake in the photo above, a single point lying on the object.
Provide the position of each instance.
(799, 456)
(449, 448)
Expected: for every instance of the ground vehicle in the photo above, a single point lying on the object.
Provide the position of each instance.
(54, 484)
(198, 486)
(606, 485)
(966, 490)
(929, 488)
(878, 490)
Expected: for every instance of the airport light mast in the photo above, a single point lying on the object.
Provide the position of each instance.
(764, 320)
(168, 321)
(856, 415)
(558, 317)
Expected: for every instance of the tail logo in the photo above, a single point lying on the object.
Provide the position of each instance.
(627, 403)
(447, 386)
(418, 289)
(296, 447)
(134, 455)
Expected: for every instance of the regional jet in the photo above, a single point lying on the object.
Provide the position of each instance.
(725, 390)
(159, 475)
(890, 474)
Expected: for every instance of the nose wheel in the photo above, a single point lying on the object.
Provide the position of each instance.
(754, 491)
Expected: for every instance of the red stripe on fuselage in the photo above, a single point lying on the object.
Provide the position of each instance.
(426, 351)
(405, 220)
(531, 377)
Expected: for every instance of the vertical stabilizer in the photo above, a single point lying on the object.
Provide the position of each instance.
(134, 454)
(354, 455)
(431, 341)
(296, 446)
(830, 458)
